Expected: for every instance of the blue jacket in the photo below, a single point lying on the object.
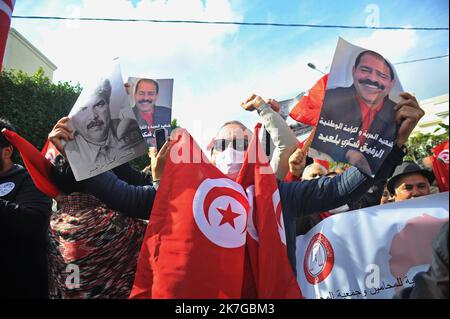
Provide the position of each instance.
(323, 194)
(297, 198)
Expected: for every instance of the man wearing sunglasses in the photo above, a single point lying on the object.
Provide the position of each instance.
(228, 151)
(231, 142)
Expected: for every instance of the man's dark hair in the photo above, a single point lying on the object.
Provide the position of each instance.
(5, 124)
(148, 81)
(358, 59)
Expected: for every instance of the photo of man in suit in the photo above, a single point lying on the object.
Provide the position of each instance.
(149, 115)
(357, 123)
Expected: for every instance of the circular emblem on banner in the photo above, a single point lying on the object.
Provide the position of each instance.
(220, 210)
(319, 259)
(6, 188)
(279, 216)
(443, 156)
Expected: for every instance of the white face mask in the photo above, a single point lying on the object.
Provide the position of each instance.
(230, 162)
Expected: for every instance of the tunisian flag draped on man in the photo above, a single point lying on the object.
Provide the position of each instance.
(194, 245)
(273, 276)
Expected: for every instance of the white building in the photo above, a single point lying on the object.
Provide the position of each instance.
(436, 111)
(20, 54)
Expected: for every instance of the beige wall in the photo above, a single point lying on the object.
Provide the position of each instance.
(20, 54)
(436, 111)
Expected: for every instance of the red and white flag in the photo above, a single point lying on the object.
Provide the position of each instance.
(441, 166)
(272, 274)
(6, 9)
(37, 165)
(194, 246)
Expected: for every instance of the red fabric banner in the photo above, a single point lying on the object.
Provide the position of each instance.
(6, 9)
(308, 108)
(273, 276)
(36, 163)
(194, 246)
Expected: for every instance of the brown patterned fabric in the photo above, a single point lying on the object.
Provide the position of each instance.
(102, 243)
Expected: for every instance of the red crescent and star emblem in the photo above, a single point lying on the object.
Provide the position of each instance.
(220, 209)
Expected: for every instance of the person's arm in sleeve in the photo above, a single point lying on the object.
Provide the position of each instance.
(327, 193)
(28, 215)
(133, 201)
(132, 176)
(318, 195)
(283, 138)
(130, 200)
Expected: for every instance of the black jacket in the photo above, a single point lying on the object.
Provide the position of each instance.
(24, 221)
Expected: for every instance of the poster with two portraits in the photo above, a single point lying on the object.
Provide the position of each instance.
(106, 130)
(357, 122)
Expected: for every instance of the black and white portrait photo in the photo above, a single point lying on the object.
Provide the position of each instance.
(106, 134)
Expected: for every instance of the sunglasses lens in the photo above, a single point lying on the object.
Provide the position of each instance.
(220, 145)
(238, 145)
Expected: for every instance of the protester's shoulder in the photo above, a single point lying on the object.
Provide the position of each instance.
(23, 180)
(16, 170)
(16, 174)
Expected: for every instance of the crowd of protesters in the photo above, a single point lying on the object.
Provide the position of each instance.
(100, 222)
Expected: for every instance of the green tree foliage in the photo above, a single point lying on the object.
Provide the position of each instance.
(174, 124)
(33, 104)
(420, 145)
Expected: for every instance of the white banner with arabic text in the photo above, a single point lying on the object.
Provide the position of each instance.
(372, 252)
